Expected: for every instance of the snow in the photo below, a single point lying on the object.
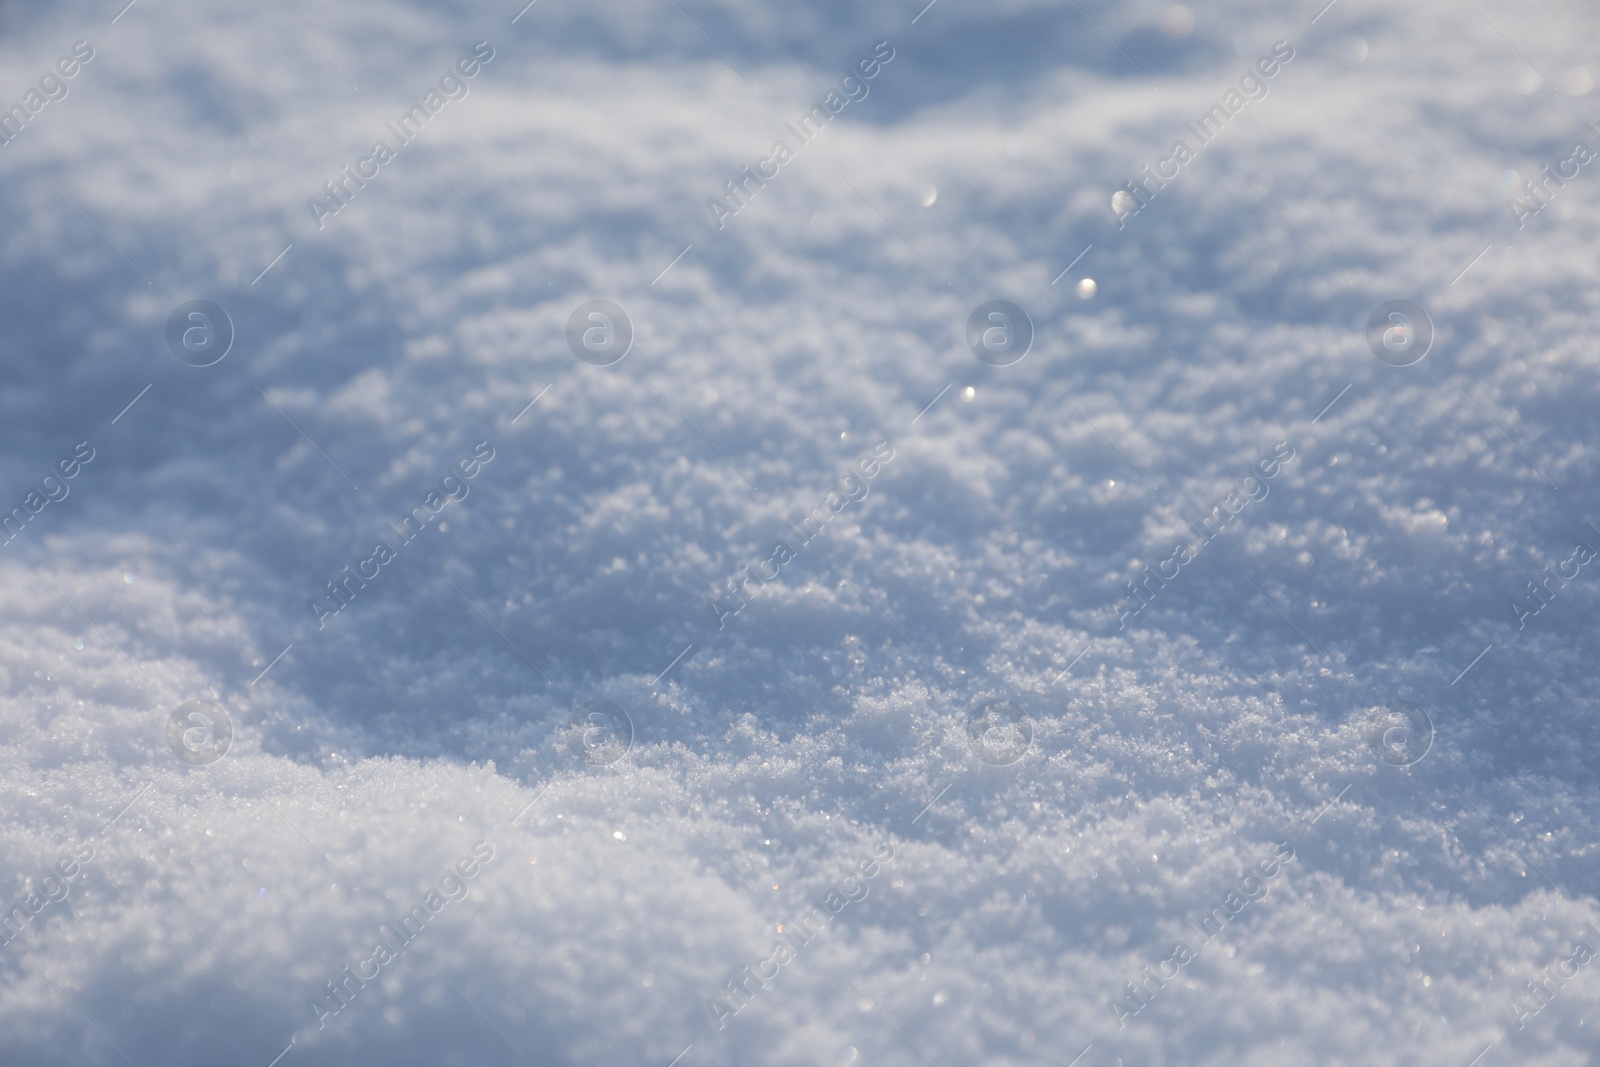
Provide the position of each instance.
(550, 669)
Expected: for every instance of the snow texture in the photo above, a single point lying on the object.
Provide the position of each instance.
(799, 688)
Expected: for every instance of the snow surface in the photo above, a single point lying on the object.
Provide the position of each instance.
(827, 722)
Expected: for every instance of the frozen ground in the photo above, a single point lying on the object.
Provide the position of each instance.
(986, 891)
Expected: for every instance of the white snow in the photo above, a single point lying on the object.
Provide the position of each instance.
(451, 699)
